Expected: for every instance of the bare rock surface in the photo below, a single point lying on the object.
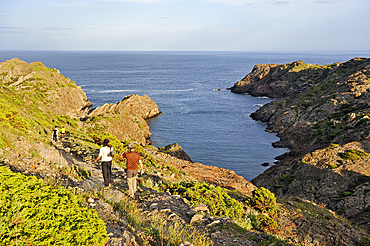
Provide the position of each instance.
(125, 119)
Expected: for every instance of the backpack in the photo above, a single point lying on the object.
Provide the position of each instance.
(111, 153)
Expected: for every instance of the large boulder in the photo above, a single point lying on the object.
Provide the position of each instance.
(176, 151)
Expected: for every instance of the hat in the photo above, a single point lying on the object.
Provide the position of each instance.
(106, 141)
(131, 146)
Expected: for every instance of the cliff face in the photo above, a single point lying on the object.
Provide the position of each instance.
(321, 114)
(277, 81)
(54, 92)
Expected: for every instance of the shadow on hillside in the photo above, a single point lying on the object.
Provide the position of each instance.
(343, 191)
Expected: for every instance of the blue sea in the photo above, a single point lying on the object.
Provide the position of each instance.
(212, 126)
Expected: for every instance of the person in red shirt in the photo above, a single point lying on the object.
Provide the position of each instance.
(133, 159)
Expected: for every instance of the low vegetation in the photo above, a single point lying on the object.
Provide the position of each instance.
(157, 228)
(33, 213)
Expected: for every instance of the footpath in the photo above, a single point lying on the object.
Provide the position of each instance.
(71, 163)
(67, 160)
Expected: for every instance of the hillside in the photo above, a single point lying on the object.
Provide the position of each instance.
(180, 202)
(322, 114)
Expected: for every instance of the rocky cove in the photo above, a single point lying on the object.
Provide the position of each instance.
(316, 133)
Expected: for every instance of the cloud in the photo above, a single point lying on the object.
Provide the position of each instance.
(133, 1)
(11, 28)
(252, 2)
(7, 27)
(324, 1)
(281, 2)
(74, 4)
(233, 2)
(58, 28)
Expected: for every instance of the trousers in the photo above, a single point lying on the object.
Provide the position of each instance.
(106, 167)
(131, 181)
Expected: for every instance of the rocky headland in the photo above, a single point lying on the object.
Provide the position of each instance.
(125, 119)
(224, 209)
(322, 114)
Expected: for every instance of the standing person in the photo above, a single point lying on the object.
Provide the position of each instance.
(106, 153)
(133, 158)
(63, 132)
(55, 134)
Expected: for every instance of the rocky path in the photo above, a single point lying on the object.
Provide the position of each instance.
(59, 159)
(173, 208)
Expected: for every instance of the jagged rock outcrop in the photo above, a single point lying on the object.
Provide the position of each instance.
(59, 94)
(125, 119)
(274, 80)
(317, 107)
(177, 151)
(142, 106)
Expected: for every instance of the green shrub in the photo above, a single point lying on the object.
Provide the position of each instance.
(267, 224)
(333, 146)
(12, 119)
(277, 186)
(215, 198)
(349, 156)
(34, 153)
(324, 87)
(353, 154)
(32, 213)
(263, 200)
(365, 241)
(157, 227)
(359, 152)
(332, 166)
(340, 211)
(311, 93)
(288, 179)
(347, 193)
(352, 185)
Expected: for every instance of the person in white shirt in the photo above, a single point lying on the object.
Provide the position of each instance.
(55, 134)
(106, 154)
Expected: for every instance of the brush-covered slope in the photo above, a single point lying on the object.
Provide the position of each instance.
(35, 98)
(322, 113)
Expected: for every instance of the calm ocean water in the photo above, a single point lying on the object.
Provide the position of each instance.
(213, 127)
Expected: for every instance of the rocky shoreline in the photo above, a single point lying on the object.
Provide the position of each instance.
(303, 179)
(322, 115)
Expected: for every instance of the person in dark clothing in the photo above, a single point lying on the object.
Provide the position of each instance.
(55, 134)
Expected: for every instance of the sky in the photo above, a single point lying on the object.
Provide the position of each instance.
(185, 25)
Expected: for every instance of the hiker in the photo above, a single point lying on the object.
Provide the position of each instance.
(55, 134)
(63, 132)
(106, 153)
(133, 158)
